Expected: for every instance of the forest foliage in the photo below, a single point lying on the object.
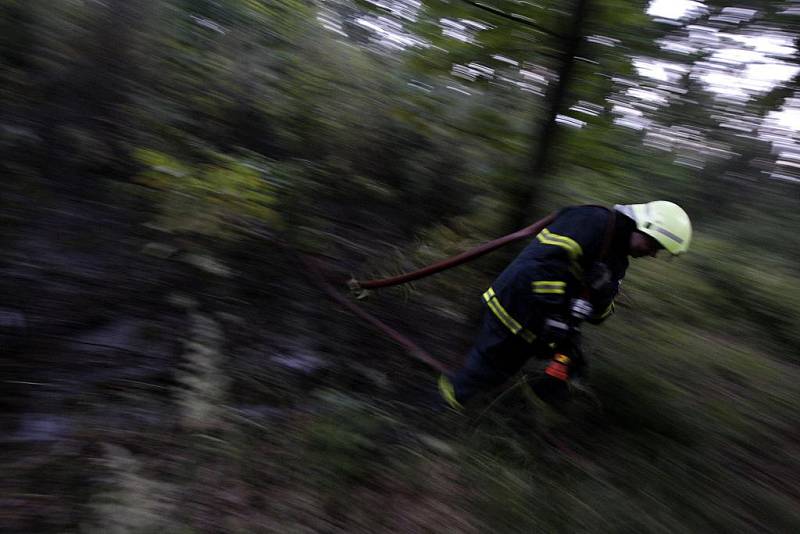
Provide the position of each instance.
(166, 160)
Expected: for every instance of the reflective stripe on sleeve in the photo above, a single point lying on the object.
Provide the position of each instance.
(574, 250)
(548, 286)
(572, 247)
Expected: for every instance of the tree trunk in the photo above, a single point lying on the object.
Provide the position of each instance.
(527, 193)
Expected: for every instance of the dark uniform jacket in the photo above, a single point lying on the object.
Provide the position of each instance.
(553, 268)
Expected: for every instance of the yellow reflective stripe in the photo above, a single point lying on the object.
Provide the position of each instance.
(573, 249)
(571, 243)
(558, 283)
(548, 286)
(527, 335)
(609, 310)
(448, 393)
(509, 322)
(504, 317)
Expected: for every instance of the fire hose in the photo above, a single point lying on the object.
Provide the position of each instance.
(359, 287)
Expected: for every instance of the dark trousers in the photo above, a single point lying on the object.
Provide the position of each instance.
(494, 358)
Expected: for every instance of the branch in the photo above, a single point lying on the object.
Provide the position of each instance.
(516, 18)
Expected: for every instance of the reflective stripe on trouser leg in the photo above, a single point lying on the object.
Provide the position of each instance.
(509, 322)
(494, 358)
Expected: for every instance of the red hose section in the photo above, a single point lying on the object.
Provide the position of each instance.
(315, 269)
(413, 349)
(453, 261)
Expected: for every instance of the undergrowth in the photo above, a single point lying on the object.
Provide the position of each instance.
(685, 423)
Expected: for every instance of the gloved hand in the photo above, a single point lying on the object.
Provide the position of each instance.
(552, 387)
(556, 331)
(580, 309)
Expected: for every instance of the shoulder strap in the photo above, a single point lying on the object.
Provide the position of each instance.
(609, 235)
(604, 248)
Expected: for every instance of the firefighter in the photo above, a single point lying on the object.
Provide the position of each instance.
(568, 274)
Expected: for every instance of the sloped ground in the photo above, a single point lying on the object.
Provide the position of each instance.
(150, 393)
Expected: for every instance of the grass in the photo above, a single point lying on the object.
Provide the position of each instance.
(684, 439)
(689, 425)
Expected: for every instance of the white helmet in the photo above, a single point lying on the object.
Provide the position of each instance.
(664, 221)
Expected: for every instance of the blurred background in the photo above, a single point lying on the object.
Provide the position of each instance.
(168, 364)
